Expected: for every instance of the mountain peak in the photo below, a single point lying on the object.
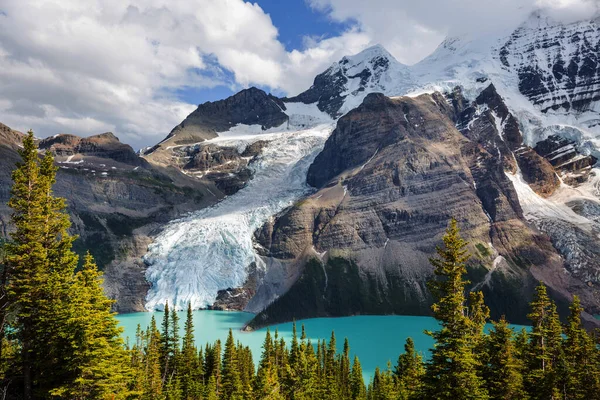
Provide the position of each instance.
(371, 53)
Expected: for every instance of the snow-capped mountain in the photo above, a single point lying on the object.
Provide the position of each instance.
(344, 85)
(515, 117)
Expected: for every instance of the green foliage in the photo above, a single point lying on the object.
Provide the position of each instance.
(484, 251)
(453, 370)
(64, 341)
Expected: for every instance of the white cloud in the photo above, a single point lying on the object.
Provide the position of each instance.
(88, 66)
(411, 30)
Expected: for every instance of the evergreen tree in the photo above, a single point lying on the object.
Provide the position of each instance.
(383, 386)
(62, 321)
(357, 384)
(230, 373)
(543, 353)
(190, 368)
(344, 371)
(410, 370)
(153, 383)
(267, 382)
(98, 360)
(452, 372)
(246, 367)
(581, 378)
(503, 368)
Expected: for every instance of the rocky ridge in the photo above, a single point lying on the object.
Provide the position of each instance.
(391, 175)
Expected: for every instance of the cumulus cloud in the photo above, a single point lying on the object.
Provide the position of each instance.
(85, 67)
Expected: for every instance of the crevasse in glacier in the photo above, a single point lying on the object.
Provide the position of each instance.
(209, 250)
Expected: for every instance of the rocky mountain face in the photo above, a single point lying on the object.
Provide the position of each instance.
(105, 145)
(225, 166)
(116, 201)
(343, 85)
(557, 65)
(391, 175)
(248, 107)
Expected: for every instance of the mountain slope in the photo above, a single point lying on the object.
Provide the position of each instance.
(391, 175)
(115, 199)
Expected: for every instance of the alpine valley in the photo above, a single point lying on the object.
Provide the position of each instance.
(330, 203)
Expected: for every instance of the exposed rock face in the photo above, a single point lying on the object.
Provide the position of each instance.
(105, 145)
(10, 138)
(557, 65)
(226, 166)
(9, 144)
(562, 153)
(249, 107)
(390, 176)
(237, 299)
(488, 122)
(116, 201)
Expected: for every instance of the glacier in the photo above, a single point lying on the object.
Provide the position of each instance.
(196, 256)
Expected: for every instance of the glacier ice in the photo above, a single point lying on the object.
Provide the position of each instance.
(209, 250)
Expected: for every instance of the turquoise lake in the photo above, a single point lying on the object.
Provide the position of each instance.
(374, 339)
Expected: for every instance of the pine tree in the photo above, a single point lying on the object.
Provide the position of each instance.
(383, 386)
(581, 378)
(331, 382)
(246, 367)
(42, 290)
(267, 382)
(27, 265)
(153, 383)
(452, 372)
(357, 384)
(212, 392)
(410, 370)
(503, 368)
(230, 372)
(190, 367)
(543, 353)
(166, 346)
(98, 360)
(173, 390)
(344, 371)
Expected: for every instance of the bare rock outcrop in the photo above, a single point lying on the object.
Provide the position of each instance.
(391, 175)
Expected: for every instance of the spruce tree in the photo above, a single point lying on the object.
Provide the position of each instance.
(581, 378)
(358, 390)
(230, 372)
(344, 371)
(452, 371)
(153, 383)
(190, 367)
(543, 353)
(98, 360)
(267, 382)
(45, 296)
(410, 370)
(503, 368)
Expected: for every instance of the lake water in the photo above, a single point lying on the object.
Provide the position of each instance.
(374, 339)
